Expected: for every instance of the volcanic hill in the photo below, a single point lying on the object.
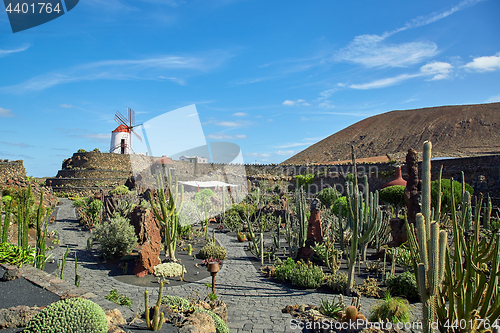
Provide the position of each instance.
(455, 131)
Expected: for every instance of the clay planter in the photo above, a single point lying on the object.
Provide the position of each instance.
(241, 237)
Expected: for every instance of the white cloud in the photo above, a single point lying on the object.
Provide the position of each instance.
(67, 106)
(493, 99)
(327, 104)
(4, 53)
(296, 102)
(228, 124)
(16, 144)
(372, 51)
(439, 70)
(383, 82)
(257, 155)
(305, 142)
(484, 64)
(284, 152)
(128, 69)
(97, 136)
(6, 113)
(240, 114)
(224, 136)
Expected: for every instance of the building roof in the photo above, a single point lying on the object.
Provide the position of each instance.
(122, 128)
(164, 160)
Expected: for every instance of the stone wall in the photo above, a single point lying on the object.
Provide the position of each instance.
(104, 170)
(12, 170)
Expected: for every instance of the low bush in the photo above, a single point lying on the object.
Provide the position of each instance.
(117, 298)
(404, 284)
(337, 282)
(116, 237)
(327, 196)
(169, 269)
(300, 274)
(120, 190)
(391, 309)
(214, 251)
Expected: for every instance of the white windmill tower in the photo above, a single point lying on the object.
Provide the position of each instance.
(121, 137)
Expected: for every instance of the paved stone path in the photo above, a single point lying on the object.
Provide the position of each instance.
(254, 302)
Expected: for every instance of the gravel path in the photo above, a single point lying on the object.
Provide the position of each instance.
(254, 302)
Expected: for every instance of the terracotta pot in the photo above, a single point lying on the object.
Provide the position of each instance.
(241, 237)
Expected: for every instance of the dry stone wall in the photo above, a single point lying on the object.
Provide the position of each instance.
(93, 170)
(12, 171)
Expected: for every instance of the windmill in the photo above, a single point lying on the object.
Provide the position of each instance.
(121, 138)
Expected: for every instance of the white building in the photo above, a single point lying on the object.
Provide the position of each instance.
(192, 159)
(120, 141)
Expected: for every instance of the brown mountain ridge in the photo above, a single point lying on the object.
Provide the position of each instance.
(455, 131)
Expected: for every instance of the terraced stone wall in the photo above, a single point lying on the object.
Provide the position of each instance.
(12, 170)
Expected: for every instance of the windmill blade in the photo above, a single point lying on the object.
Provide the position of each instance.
(121, 118)
(137, 135)
(119, 121)
(132, 118)
(129, 116)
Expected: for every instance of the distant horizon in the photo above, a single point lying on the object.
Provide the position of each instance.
(271, 77)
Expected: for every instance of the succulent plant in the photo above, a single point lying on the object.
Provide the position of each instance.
(169, 269)
(77, 315)
(337, 281)
(214, 251)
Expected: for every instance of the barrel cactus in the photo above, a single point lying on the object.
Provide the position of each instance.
(76, 315)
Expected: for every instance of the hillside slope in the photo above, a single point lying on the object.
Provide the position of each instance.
(455, 131)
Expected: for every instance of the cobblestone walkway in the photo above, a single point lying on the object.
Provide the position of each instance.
(254, 302)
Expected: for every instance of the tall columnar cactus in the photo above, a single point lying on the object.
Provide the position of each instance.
(431, 245)
(6, 221)
(41, 236)
(168, 214)
(300, 201)
(157, 321)
(364, 218)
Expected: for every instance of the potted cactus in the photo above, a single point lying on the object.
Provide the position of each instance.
(241, 236)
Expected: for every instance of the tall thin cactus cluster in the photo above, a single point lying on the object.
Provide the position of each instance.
(6, 220)
(364, 219)
(300, 201)
(458, 285)
(168, 212)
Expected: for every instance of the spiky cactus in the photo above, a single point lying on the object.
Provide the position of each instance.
(300, 201)
(168, 214)
(6, 220)
(363, 218)
(156, 322)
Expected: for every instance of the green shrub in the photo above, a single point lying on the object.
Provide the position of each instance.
(203, 198)
(304, 180)
(214, 251)
(337, 282)
(307, 275)
(120, 190)
(116, 237)
(403, 284)
(75, 315)
(81, 150)
(117, 298)
(283, 270)
(341, 201)
(16, 255)
(392, 309)
(232, 221)
(446, 193)
(300, 274)
(393, 195)
(327, 196)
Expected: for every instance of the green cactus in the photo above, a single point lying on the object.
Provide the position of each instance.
(168, 214)
(77, 315)
(300, 200)
(364, 219)
(6, 220)
(455, 286)
(157, 321)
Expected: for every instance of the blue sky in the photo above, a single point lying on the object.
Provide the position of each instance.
(271, 76)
